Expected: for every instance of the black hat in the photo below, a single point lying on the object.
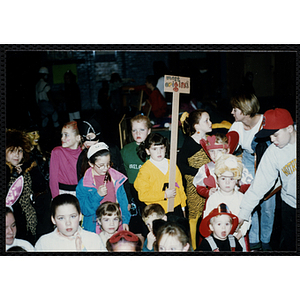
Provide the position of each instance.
(86, 127)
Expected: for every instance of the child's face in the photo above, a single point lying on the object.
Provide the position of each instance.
(150, 219)
(216, 153)
(11, 229)
(89, 137)
(281, 137)
(34, 137)
(66, 219)
(226, 182)
(157, 152)
(14, 156)
(69, 139)
(221, 227)
(204, 124)
(170, 243)
(109, 224)
(102, 164)
(140, 131)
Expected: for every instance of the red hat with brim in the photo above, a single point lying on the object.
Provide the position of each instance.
(274, 120)
(222, 209)
(233, 141)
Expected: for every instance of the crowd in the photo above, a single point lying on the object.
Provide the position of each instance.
(89, 195)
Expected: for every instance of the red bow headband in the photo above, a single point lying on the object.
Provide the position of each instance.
(211, 143)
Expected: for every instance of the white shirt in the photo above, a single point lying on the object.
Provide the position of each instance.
(21, 243)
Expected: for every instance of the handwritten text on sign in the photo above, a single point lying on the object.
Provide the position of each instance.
(177, 84)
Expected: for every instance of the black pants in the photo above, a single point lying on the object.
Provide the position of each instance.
(288, 230)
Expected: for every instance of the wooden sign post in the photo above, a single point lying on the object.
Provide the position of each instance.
(176, 85)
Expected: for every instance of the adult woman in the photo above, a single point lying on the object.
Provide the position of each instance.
(247, 123)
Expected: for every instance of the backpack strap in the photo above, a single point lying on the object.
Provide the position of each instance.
(232, 242)
(212, 244)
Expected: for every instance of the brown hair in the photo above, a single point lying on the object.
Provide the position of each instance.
(141, 118)
(188, 124)
(151, 209)
(108, 209)
(247, 103)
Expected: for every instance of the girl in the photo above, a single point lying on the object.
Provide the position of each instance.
(101, 183)
(109, 219)
(153, 178)
(215, 146)
(124, 241)
(190, 158)
(63, 175)
(17, 152)
(68, 235)
(228, 170)
(140, 129)
(171, 237)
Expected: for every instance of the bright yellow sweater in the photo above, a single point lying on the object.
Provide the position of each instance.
(150, 182)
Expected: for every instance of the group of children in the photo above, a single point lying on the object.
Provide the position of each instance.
(96, 207)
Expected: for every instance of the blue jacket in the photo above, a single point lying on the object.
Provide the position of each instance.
(89, 199)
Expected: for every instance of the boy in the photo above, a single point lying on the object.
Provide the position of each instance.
(280, 157)
(150, 213)
(217, 228)
(68, 235)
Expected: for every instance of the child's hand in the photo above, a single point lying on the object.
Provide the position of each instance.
(212, 191)
(170, 193)
(18, 168)
(125, 227)
(150, 240)
(102, 190)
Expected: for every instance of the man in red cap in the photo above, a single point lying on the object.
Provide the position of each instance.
(279, 158)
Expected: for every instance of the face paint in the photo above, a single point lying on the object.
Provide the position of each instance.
(34, 137)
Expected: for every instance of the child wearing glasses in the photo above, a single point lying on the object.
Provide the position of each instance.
(100, 184)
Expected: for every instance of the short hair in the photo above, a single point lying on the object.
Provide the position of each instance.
(171, 229)
(214, 218)
(62, 200)
(141, 118)
(108, 209)
(152, 80)
(220, 139)
(231, 163)
(151, 209)
(16, 249)
(188, 125)
(247, 103)
(73, 126)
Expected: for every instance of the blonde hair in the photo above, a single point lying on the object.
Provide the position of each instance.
(230, 163)
(248, 104)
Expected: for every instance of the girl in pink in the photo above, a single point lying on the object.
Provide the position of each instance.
(62, 171)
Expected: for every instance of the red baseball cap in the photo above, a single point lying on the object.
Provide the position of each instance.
(275, 119)
(222, 209)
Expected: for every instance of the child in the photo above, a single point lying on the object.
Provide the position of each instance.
(190, 158)
(152, 180)
(150, 213)
(140, 129)
(217, 228)
(228, 170)
(101, 183)
(124, 241)
(17, 152)
(172, 237)
(215, 146)
(68, 235)
(280, 157)
(109, 218)
(11, 231)
(63, 175)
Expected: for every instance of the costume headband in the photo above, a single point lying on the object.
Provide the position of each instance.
(127, 235)
(95, 148)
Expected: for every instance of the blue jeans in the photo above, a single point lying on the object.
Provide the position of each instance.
(267, 210)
